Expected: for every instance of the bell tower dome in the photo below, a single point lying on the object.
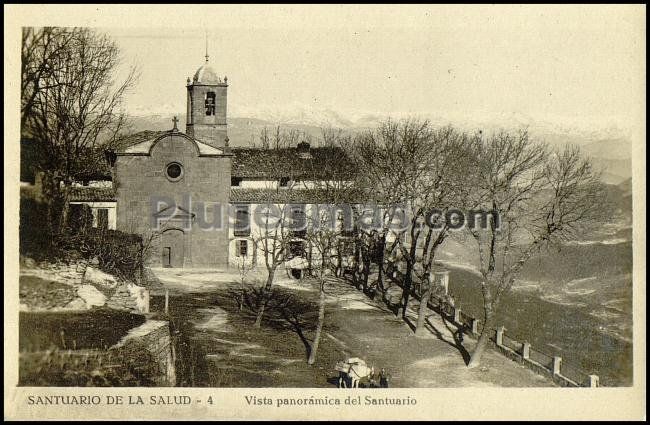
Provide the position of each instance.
(207, 96)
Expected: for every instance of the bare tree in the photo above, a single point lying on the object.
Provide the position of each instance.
(278, 139)
(445, 188)
(272, 238)
(323, 239)
(39, 50)
(244, 266)
(395, 165)
(541, 197)
(71, 102)
(265, 141)
(331, 221)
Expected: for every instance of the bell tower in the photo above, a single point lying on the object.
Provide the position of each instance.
(207, 96)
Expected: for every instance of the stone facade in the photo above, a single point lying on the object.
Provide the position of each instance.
(144, 190)
(207, 100)
(210, 129)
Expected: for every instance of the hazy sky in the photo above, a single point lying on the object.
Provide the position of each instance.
(572, 64)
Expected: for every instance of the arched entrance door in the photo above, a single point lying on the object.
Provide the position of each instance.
(173, 248)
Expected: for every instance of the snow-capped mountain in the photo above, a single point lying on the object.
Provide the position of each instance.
(607, 144)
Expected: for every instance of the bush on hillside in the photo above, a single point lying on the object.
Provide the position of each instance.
(118, 253)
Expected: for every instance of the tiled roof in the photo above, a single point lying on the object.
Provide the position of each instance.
(141, 143)
(323, 163)
(92, 194)
(298, 196)
(136, 138)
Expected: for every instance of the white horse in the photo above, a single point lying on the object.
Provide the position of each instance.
(354, 369)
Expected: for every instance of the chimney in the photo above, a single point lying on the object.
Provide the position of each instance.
(303, 150)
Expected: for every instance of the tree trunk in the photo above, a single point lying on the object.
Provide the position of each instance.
(260, 312)
(380, 262)
(366, 274)
(269, 279)
(420, 330)
(266, 296)
(50, 194)
(481, 344)
(319, 326)
(65, 212)
(406, 291)
(242, 295)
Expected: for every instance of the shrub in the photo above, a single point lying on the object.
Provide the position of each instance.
(118, 253)
(34, 234)
(94, 368)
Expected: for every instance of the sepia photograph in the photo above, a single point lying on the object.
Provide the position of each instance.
(325, 198)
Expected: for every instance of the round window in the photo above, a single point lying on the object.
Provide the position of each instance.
(174, 171)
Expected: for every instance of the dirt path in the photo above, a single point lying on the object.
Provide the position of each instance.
(220, 347)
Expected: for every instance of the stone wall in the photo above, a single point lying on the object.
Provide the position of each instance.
(153, 338)
(130, 297)
(210, 129)
(144, 357)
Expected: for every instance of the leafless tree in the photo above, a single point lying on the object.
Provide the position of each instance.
(272, 238)
(382, 179)
(331, 221)
(71, 102)
(397, 166)
(39, 50)
(265, 141)
(244, 266)
(282, 138)
(445, 188)
(323, 240)
(541, 197)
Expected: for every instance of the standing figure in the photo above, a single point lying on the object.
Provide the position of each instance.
(383, 378)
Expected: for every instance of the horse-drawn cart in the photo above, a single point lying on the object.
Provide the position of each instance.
(353, 370)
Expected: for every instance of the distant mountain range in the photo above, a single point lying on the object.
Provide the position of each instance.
(609, 148)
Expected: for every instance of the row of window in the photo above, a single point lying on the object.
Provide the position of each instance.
(174, 172)
(236, 181)
(295, 248)
(242, 225)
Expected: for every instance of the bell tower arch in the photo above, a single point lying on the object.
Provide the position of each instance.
(207, 100)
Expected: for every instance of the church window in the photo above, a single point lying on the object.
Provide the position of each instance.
(210, 103)
(174, 171)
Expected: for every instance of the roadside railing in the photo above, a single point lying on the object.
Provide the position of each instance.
(562, 373)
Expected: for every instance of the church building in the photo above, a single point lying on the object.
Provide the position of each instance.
(192, 193)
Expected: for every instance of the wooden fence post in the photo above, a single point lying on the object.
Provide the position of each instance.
(166, 301)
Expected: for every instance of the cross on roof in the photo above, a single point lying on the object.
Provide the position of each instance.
(206, 47)
(175, 121)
